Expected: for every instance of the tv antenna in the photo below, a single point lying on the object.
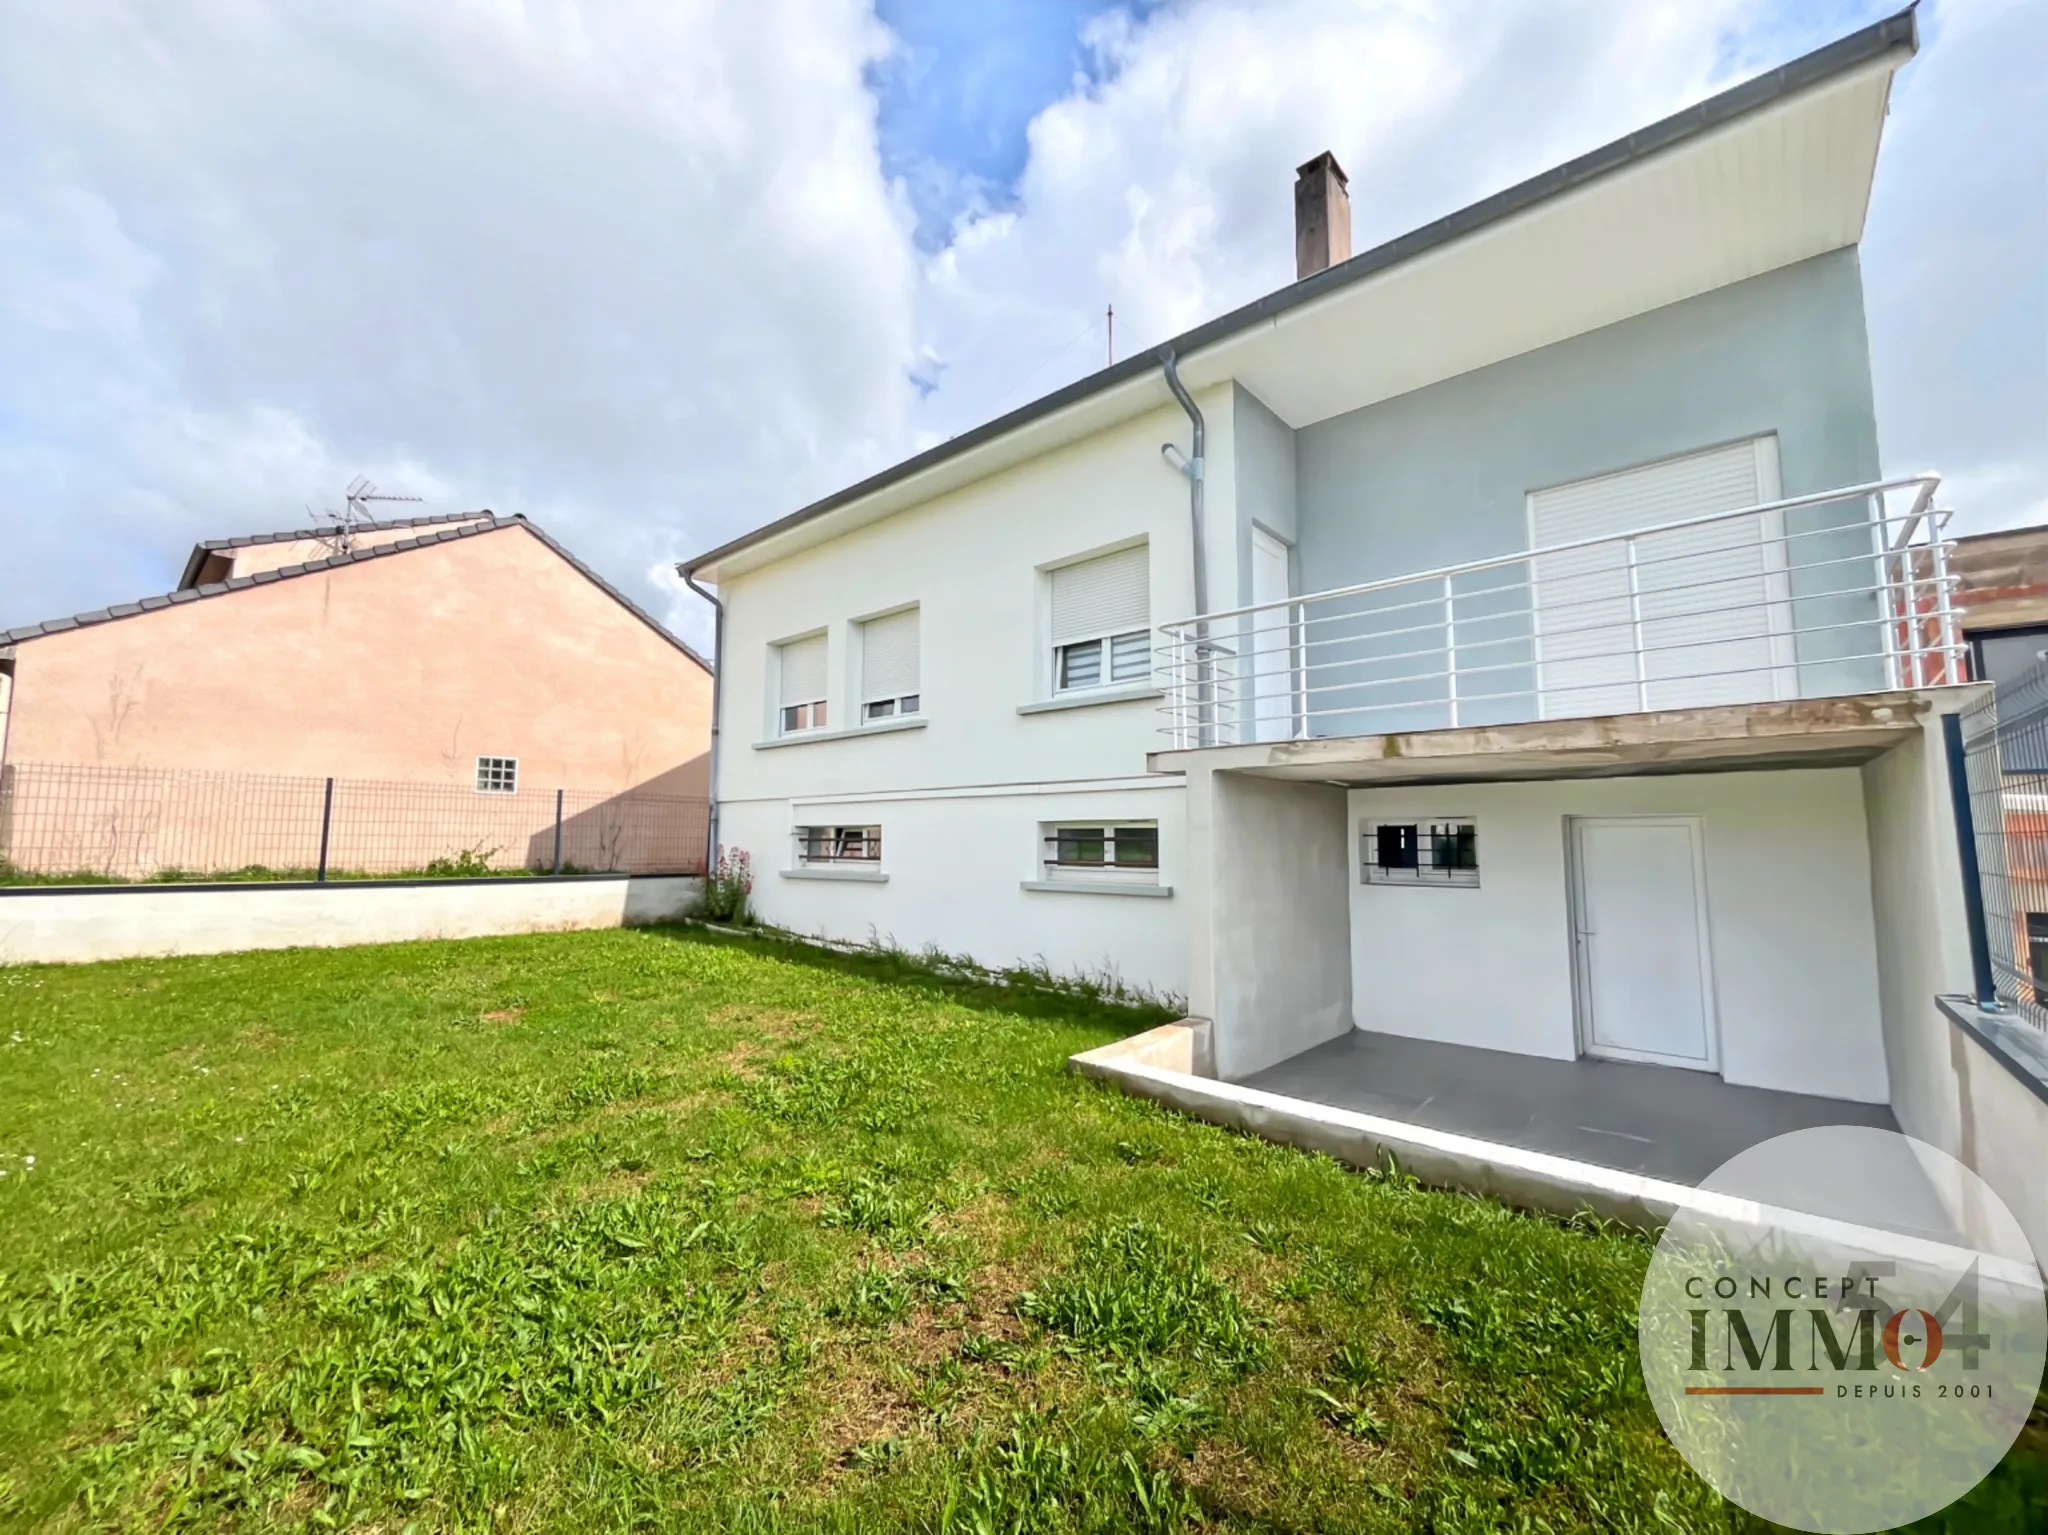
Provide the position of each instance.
(359, 499)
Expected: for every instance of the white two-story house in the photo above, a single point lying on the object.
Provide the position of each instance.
(1505, 640)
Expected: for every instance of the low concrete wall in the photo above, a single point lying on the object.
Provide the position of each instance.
(74, 924)
(1996, 1083)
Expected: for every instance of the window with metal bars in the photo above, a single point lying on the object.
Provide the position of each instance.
(1126, 851)
(497, 775)
(838, 844)
(1441, 850)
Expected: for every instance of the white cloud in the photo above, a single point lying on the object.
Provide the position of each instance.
(1168, 189)
(635, 271)
(631, 269)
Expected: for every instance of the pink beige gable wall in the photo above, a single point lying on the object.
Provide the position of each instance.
(404, 667)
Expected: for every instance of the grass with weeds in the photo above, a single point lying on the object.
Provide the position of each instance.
(673, 1230)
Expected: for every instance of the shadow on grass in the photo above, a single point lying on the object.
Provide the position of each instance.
(1027, 993)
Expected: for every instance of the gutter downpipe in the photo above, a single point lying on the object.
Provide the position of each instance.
(1195, 471)
(717, 710)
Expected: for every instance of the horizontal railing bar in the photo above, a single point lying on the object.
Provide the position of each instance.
(1173, 669)
(1451, 572)
(1288, 624)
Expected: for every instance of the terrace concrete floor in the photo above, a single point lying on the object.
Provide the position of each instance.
(1660, 1121)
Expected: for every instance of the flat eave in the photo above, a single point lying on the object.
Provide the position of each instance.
(1807, 732)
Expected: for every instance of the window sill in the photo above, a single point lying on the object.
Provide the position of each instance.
(1086, 698)
(859, 876)
(1094, 887)
(879, 728)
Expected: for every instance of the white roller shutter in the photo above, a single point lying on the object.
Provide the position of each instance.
(1711, 600)
(888, 656)
(803, 671)
(1109, 595)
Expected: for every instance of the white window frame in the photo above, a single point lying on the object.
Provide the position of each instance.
(897, 706)
(810, 714)
(1106, 680)
(1426, 873)
(1050, 841)
(497, 775)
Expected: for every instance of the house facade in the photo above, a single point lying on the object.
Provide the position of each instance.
(401, 650)
(1506, 639)
(458, 675)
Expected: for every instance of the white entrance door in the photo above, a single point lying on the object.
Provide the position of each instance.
(1645, 988)
(1689, 618)
(1272, 641)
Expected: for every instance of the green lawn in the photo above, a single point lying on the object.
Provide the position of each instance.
(661, 1230)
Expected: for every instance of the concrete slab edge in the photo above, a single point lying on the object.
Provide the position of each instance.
(1528, 1180)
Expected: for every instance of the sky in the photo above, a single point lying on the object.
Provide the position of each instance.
(653, 272)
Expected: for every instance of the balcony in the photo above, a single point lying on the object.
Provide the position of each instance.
(1829, 595)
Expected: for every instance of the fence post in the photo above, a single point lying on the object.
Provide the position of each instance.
(558, 831)
(1973, 874)
(326, 825)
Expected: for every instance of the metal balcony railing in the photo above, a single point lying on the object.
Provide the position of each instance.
(1844, 591)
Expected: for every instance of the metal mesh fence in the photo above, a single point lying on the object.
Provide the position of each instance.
(2005, 751)
(72, 822)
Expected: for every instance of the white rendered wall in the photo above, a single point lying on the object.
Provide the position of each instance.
(956, 864)
(1281, 980)
(1789, 902)
(1924, 947)
(77, 925)
(959, 799)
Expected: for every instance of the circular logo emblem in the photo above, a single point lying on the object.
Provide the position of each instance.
(1844, 1330)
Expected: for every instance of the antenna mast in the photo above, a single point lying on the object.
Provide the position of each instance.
(358, 499)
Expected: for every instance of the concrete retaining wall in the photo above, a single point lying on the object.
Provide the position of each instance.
(74, 924)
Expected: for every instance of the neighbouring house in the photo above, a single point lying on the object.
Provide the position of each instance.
(2001, 600)
(471, 652)
(1509, 701)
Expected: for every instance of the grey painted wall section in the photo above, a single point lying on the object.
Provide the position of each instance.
(1440, 476)
(1266, 484)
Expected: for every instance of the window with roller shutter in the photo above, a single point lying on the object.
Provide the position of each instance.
(1102, 621)
(889, 684)
(801, 664)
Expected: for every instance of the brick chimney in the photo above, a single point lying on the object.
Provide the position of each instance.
(1322, 216)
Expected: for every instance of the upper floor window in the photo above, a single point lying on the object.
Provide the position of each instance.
(803, 684)
(1102, 620)
(497, 775)
(889, 666)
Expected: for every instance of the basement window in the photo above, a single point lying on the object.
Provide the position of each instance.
(497, 775)
(1440, 850)
(859, 845)
(1120, 852)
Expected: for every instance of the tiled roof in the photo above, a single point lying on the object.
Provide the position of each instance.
(301, 535)
(478, 525)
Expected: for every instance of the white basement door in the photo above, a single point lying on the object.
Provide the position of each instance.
(1640, 925)
(1710, 617)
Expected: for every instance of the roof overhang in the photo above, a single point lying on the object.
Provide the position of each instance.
(1772, 172)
